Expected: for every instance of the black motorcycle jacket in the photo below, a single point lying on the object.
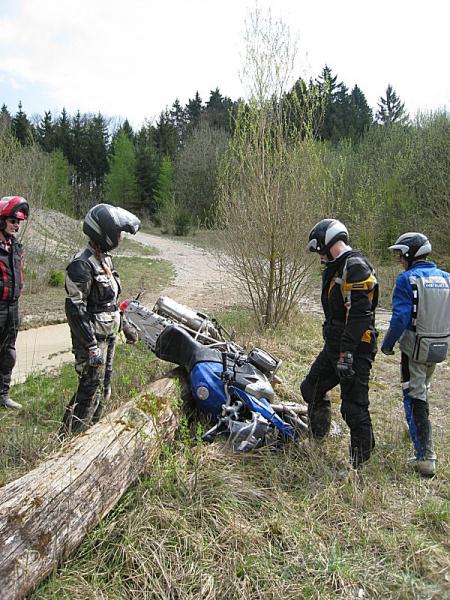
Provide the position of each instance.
(92, 297)
(11, 271)
(349, 299)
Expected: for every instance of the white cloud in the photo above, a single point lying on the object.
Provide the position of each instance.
(133, 58)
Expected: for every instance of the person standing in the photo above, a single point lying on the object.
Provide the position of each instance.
(92, 311)
(349, 299)
(421, 322)
(13, 211)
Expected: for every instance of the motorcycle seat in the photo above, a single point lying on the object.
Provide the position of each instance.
(175, 345)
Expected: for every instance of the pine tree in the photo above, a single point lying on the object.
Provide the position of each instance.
(147, 167)
(120, 183)
(178, 119)
(361, 114)
(166, 136)
(391, 109)
(45, 132)
(126, 128)
(218, 111)
(77, 141)
(62, 135)
(336, 120)
(5, 118)
(164, 200)
(96, 149)
(194, 109)
(22, 127)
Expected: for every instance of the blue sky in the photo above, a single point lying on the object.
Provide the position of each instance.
(131, 59)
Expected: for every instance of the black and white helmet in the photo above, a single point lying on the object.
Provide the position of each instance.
(325, 234)
(104, 223)
(412, 246)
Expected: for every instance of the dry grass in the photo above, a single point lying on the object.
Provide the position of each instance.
(205, 523)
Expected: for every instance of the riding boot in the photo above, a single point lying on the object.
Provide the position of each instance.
(319, 413)
(425, 459)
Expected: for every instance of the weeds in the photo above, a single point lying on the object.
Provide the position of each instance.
(206, 523)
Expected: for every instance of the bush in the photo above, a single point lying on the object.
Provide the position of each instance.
(181, 222)
(56, 279)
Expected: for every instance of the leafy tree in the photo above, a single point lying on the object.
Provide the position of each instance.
(22, 127)
(303, 107)
(120, 183)
(196, 172)
(58, 193)
(262, 203)
(391, 109)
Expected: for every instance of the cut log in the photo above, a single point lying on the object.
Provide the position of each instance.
(46, 513)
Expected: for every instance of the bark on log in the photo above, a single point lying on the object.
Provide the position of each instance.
(46, 513)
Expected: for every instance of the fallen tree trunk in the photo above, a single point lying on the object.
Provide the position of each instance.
(46, 513)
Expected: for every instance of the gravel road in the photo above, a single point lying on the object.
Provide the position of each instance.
(199, 282)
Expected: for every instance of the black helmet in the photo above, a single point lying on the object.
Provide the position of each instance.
(324, 234)
(104, 223)
(412, 246)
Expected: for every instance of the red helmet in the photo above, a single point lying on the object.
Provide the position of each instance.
(14, 207)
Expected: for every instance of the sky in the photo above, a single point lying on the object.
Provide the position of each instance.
(132, 58)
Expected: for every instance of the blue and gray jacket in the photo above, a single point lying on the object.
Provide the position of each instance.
(420, 311)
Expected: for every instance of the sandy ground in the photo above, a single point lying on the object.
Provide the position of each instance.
(199, 282)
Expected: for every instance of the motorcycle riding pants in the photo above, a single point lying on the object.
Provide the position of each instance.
(323, 377)
(416, 379)
(85, 407)
(9, 328)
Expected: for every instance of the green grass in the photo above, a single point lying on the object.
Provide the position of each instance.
(29, 435)
(205, 523)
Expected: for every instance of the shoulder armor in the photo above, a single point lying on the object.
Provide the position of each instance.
(357, 268)
(79, 270)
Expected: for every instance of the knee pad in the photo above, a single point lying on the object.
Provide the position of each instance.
(307, 391)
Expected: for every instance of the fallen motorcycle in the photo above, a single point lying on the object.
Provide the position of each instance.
(232, 388)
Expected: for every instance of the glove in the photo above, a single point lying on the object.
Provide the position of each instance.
(345, 365)
(130, 333)
(95, 357)
(387, 351)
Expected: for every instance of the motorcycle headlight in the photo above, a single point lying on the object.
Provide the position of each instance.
(202, 392)
(264, 361)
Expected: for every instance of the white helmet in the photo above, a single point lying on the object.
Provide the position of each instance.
(412, 246)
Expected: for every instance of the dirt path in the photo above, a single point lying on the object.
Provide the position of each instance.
(199, 282)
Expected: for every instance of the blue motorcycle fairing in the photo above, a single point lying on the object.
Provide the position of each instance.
(263, 407)
(208, 375)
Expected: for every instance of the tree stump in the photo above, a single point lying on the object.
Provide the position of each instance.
(46, 513)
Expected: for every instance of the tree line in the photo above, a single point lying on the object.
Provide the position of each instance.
(168, 169)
